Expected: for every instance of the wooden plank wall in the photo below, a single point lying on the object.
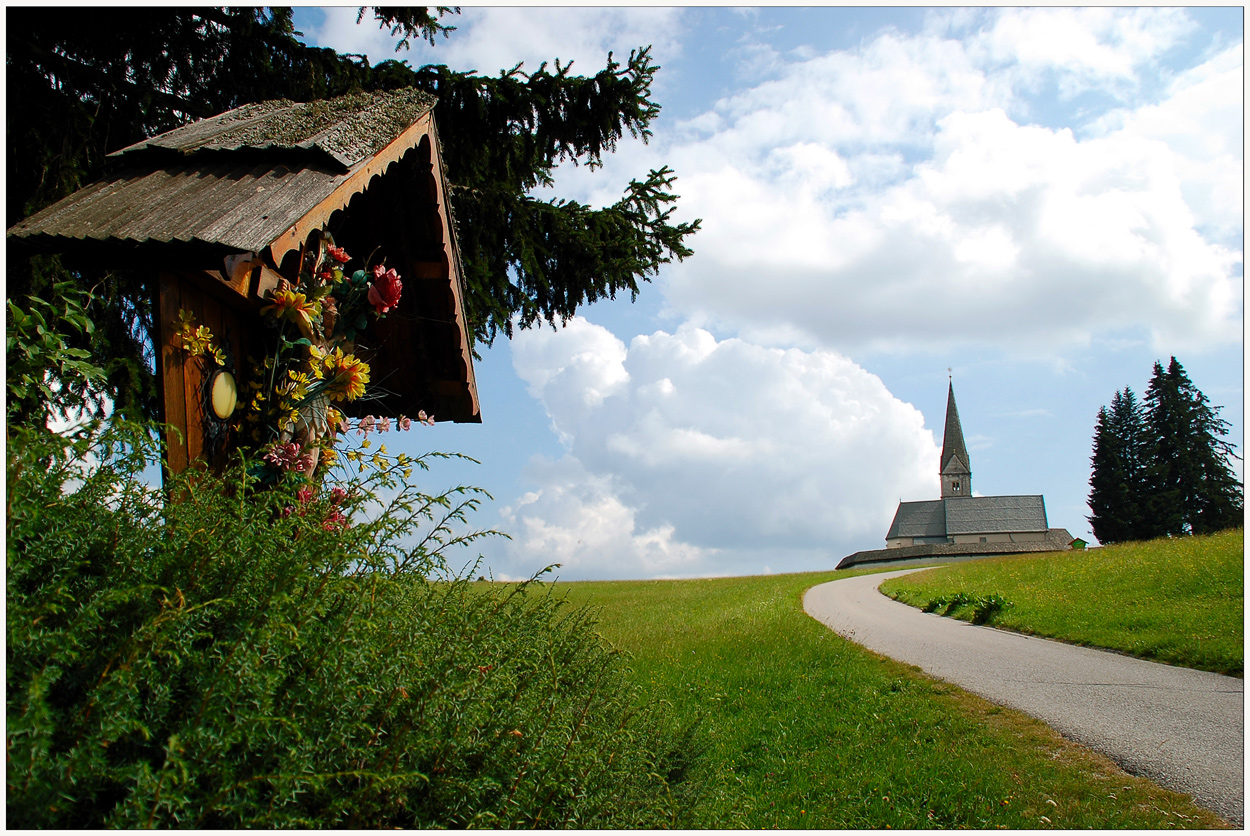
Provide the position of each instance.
(182, 378)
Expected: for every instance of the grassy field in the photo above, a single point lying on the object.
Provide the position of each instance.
(1176, 601)
(799, 728)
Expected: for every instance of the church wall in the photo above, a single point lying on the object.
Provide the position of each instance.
(1001, 537)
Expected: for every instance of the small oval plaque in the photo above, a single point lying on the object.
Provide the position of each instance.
(225, 395)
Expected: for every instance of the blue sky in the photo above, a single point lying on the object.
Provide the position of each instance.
(1044, 201)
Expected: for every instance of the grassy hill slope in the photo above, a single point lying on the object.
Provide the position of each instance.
(1178, 601)
(801, 728)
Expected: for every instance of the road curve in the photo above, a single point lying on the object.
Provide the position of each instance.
(1181, 728)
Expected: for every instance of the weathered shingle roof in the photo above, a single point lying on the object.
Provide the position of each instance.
(919, 519)
(233, 205)
(969, 515)
(986, 514)
(231, 183)
(347, 129)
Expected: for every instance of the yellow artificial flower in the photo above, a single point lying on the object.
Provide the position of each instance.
(298, 384)
(198, 339)
(288, 304)
(347, 374)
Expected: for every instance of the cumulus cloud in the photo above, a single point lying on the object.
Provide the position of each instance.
(693, 453)
(887, 197)
(1080, 49)
(1199, 121)
(491, 40)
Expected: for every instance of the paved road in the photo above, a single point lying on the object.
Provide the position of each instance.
(1179, 727)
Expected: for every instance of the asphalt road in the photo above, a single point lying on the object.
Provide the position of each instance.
(1181, 728)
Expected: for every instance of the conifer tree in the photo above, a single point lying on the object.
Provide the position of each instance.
(83, 84)
(1118, 490)
(1162, 468)
(1192, 486)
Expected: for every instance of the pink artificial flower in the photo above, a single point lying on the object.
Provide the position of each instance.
(339, 254)
(283, 456)
(334, 521)
(337, 495)
(404, 422)
(305, 462)
(385, 290)
(305, 494)
(384, 425)
(365, 425)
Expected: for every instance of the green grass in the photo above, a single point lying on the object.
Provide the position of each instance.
(800, 728)
(1177, 601)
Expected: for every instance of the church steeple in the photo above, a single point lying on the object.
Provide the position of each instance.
(956, 470)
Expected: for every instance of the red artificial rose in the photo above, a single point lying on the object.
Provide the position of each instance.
(339, 254)
(385, 289)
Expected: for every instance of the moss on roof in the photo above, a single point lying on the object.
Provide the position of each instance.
(349, 128)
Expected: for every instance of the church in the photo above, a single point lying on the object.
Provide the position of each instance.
(959, 523)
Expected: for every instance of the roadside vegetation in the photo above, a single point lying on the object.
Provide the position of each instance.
(1179, 601)
(245, 658)
(799, 728)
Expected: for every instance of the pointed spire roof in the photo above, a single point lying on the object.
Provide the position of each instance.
(954, 453)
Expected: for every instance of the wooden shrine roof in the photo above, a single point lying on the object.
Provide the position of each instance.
(259, 179)
(228, 184)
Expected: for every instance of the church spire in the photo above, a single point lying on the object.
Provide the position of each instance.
(956, 470)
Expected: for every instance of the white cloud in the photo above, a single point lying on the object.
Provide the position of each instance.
(1200, 121)
(340, 32)
(578, 521)
(1081, 48)
(700, 450)
(492, 40)
(884, 198)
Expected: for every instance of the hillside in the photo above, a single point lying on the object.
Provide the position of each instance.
(1179, 601)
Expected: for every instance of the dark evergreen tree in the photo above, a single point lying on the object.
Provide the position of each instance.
(1118, 491)
(84, 83)
(1192, 486)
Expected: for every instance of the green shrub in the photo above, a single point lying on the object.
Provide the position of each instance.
(237, 659)
(984, 607)
(45, 375)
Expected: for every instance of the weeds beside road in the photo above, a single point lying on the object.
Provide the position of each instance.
(1179, 601)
